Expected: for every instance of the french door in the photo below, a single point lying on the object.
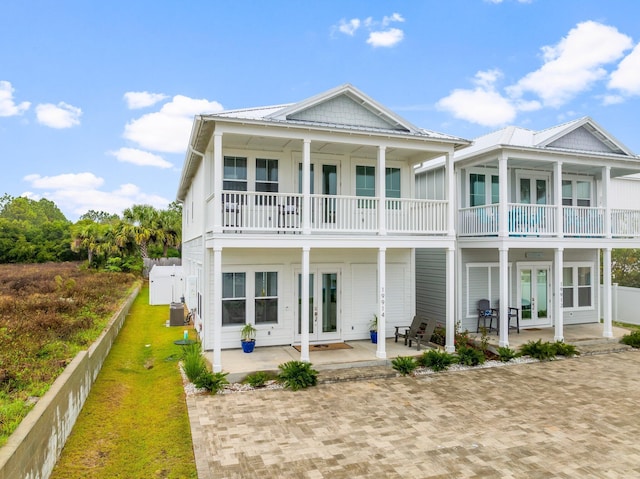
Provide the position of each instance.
(533, 189)
(534, 295)
(326, 183)
(324, 305)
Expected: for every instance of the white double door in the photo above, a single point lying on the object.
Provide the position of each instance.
(324, 304)
(534, 294)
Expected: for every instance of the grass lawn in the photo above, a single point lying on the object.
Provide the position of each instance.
(135, 422)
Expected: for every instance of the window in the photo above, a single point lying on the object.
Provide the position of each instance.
(235, 173)
(576, 193)
(266, 175)
(393, 183)
(577, 287)
(365, 181)
(479, 194)
(266, 297)
(234, 302)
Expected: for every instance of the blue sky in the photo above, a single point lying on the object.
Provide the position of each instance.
(97, 98)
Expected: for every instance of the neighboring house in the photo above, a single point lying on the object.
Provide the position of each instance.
(535, 209)
(303, 220)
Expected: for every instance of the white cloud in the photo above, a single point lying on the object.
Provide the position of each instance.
(140, 157)
(168, 129)
(350, 27)
(388, 38)
(482, 105)
(574, 64)
(58, 116)
(8, 107)
(79, 193)
(142, 99)
(379, 33)
(627, 77)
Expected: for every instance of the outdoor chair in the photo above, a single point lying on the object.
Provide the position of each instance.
(486, 312)
(512, 313)
(406, 331)
(420, 331)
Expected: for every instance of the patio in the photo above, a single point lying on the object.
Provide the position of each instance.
(363, 353)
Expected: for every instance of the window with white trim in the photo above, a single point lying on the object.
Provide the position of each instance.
(576, 192)
(234, 301)
(483, 188)
(577, 286)
(266, 175)
(235, 173)
(266, 297)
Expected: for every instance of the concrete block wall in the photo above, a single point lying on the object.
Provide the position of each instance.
(33, 449)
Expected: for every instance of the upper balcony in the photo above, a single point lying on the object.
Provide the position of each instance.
(526, 220)
(273, 213)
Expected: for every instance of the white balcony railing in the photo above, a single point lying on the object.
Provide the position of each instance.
(583, 221)
(478, 221)
(283, 212)
(625, 223)
(539, 220)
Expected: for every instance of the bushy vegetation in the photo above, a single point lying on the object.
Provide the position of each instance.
(258, 379)
(212, 382)
(632, 339)
(506, 354)
(564, 349)
(436, 359)
(297, 375)
(193, 362)
(547, 350)
(48, 312)
(469, 356)
(404, 364)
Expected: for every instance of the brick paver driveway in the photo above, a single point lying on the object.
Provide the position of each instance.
(572, 418)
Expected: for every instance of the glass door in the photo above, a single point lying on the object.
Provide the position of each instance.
(327, 184)
(533, 293)
(323, 305)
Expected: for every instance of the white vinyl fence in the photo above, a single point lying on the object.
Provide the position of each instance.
(626, 304)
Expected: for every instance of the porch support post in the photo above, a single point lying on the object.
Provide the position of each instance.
(503, 253)
(382, 191)
(558, 261)
(503, 193)
(451, 195)
(306, 186)
(606, 282)
(304, 309)
(557, 194)
(217, 183)
(381, 351)
(450, 310)
(216, 308)
(606, 190)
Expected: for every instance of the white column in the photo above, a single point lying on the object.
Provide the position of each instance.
(606, 189)
(558, 261)
(451, 195)
(606, 287)
(216, 309)
(382, 190)
(503, 254)
(217, 182)
(381, 351)
(306, 186)
(304, 308)
(450, 312)
(557, 193)
(503, 193)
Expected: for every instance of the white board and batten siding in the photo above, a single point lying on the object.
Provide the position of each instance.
(166, 285)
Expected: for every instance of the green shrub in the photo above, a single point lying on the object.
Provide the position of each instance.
(258, 379)
(469, 356)
(404, 364)
(539, 350)
(564, 349)
(193, 363)
(506, 354)
(297, 375)
(439, 336)
(632, 339)
(213, 382)
(436, 359)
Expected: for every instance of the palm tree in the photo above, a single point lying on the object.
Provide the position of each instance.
(170, 227)
(141, 225)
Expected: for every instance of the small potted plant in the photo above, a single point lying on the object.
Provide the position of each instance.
(248, 338)
(373, 329)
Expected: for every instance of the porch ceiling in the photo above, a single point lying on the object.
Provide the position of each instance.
(588, 169)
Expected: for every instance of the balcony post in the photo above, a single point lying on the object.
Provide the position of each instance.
(503, 192)
(381, 351)
(216, 309)
(607, 331)
(451, 192)
(306, 187)
(450, 320)
(217, 182)
(558, 261)
(382, 191)
(304, 309)
(557, 193)
(503, 254)
(606, 188)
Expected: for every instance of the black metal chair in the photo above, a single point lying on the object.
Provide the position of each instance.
(486, 312)
(512, 313)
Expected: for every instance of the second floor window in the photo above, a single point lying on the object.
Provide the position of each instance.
(266, 175)
(483, 189)
(576, 193)
(366, 181)
(235, 173)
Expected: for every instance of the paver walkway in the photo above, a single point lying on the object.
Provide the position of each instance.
(571, 418)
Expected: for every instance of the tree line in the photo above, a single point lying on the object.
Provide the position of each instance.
(37, 232)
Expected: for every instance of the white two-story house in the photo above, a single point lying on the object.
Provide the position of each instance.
(535, 213)
(303, 220)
